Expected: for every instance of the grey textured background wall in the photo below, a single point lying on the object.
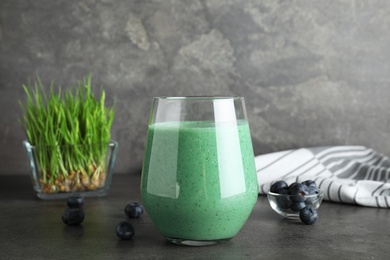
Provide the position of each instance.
(313, 72)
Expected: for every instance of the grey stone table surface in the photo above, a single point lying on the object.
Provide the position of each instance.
(32, 228)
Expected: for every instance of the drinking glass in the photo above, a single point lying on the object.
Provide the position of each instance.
(199, 182)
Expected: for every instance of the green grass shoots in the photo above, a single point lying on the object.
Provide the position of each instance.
(70, 132)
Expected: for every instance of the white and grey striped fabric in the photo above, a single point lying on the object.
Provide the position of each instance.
(346, 174)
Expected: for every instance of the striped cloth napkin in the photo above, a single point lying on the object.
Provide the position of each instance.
(346, 174)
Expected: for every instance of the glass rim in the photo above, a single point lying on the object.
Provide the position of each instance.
(28, 144)
(320, 193)
(196, 98)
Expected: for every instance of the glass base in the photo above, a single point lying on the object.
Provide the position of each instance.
(189, 242)
(64, 195)
(292, 216)
(91, 179)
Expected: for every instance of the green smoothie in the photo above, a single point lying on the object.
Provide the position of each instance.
(199, 179)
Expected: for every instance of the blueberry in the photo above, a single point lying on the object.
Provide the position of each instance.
(134, 210)
(298, 192)
(283, 202)
(73, 216)
(310, 183)
(291, 187)
(297, 206)
(311, 200)
(308, 215)
(312, 186)
(125, 231)
(276, 187)
(313, 197)
(75, 201)
(313, 191)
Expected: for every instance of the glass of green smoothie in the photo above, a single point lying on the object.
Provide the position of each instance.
(199, 181)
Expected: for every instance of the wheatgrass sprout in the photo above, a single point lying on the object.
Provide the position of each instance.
(70, 132)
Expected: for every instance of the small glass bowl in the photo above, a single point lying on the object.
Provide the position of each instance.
(91, 178)
(289, 206)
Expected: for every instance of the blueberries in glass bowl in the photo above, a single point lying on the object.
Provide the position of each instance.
(296, 199)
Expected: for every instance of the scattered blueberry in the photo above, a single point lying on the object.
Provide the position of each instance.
(125, 231)
(134, 210)
(308, 215)
(73, 216)
(75, 201)
(299, 191)
(278, 186)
